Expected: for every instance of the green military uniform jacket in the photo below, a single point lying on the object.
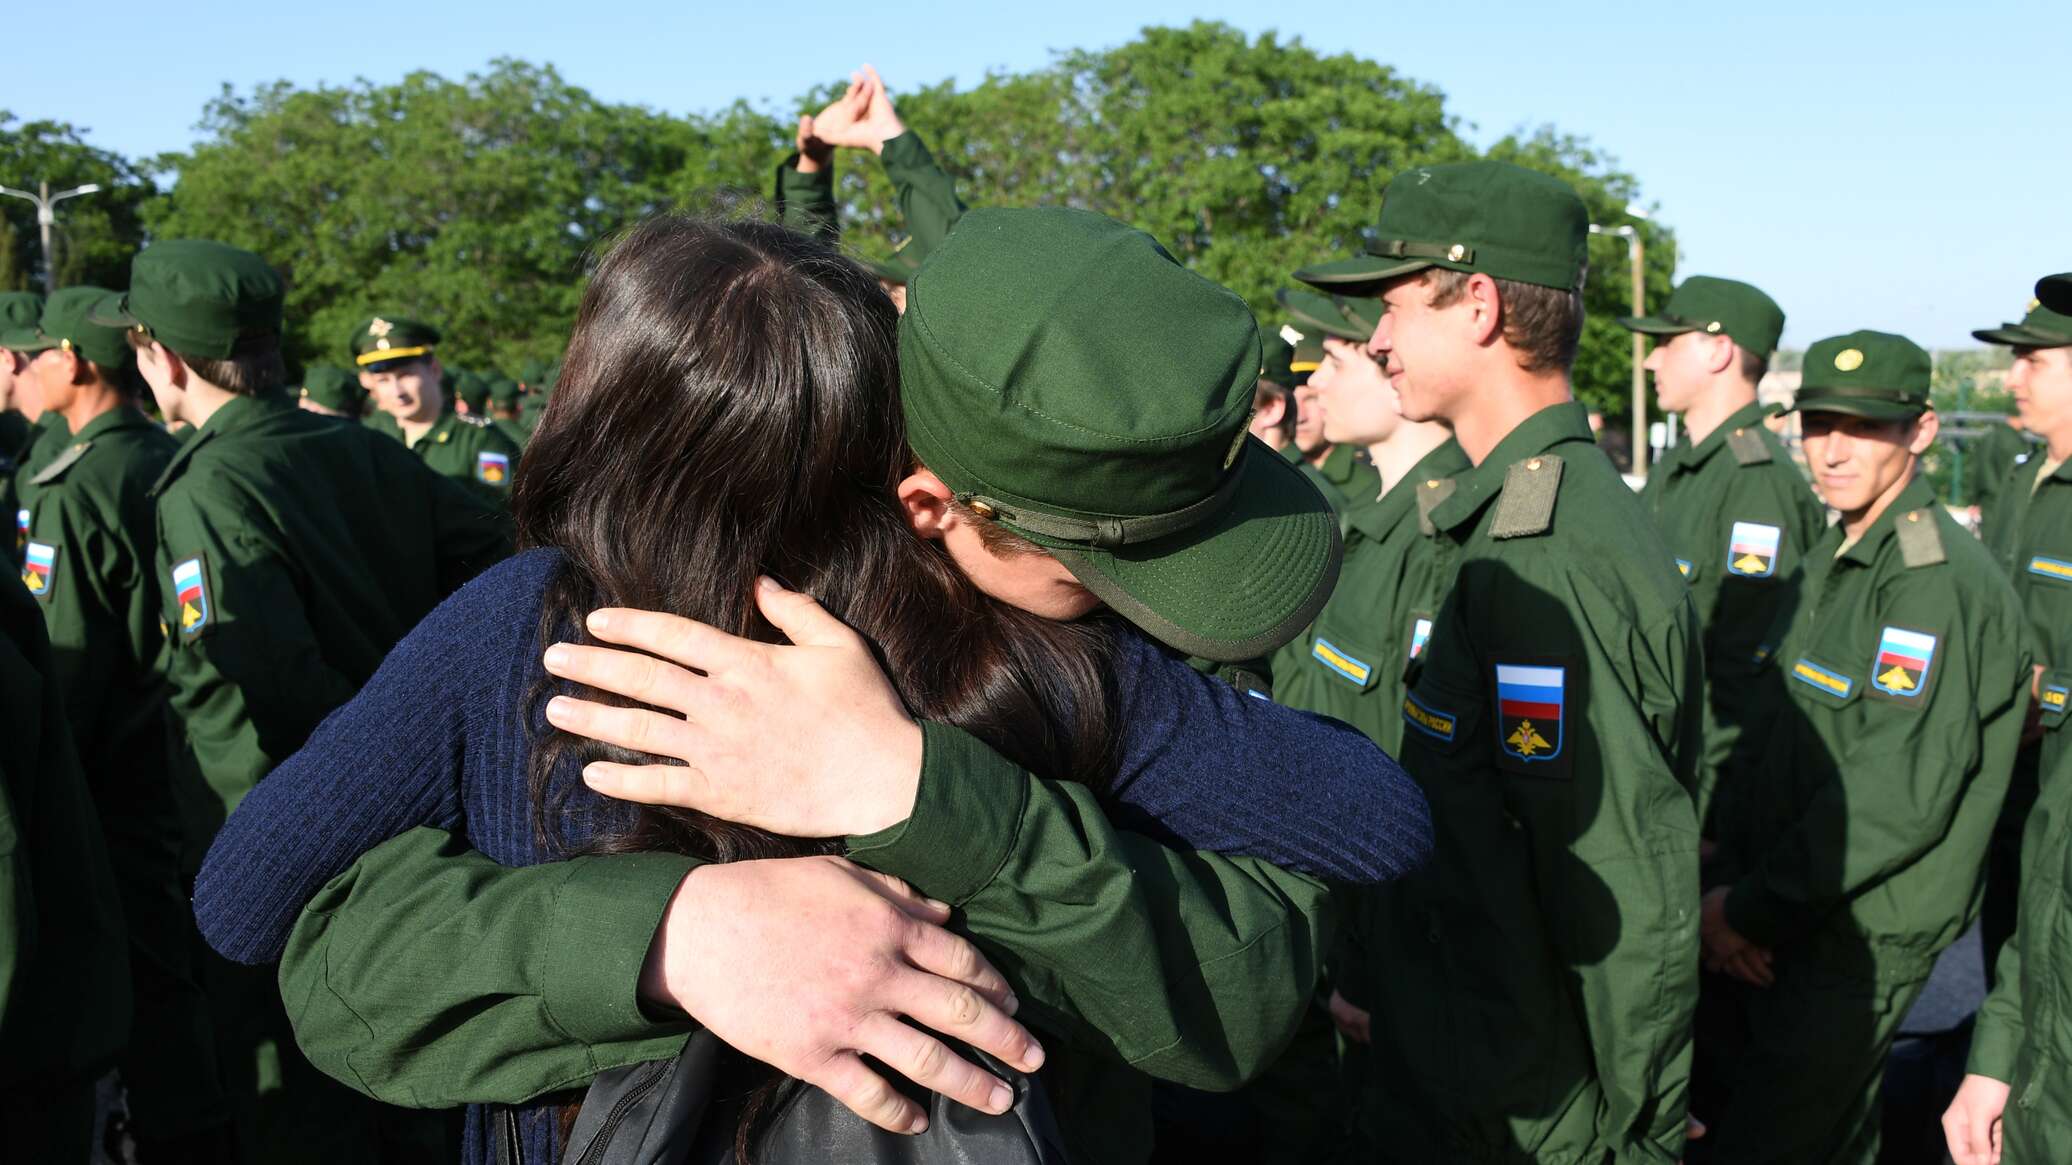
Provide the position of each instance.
(1862, 838)
(1739, 517)
(1543, 969)
(1344, 477)
(49, 437)
(1130, 960)
(1989, 465)
(2030, 535)
(64, 973)
(292, 554)
(14, 442)
(469, 450)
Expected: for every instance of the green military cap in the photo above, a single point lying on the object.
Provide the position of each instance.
(1276, 354)
(1364, 314)
(198, 297)
(1705, 303)
(472, 387)
(1308, 353)
(2055, 292)
(1068, 378)
(68, 323)
(1315, 314)
(334, 388)
(2040, 328)
(1502, 220)
(20, 309)
(502, 389)
(391, 337)
(1866, 374)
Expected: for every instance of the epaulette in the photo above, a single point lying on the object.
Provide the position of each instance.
(1920, 541)
(1527, 507)
(1748, 447)
(65, 461)
(1431, 495)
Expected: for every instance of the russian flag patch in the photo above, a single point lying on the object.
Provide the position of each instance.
(39, 568)
(191, 596)
(1530, 708)
(1752, 550)
(494, 468)
(1904, 658)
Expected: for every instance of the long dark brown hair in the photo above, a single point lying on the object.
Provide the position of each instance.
(729, 407)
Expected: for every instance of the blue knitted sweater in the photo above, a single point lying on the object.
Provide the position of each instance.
(439, 737)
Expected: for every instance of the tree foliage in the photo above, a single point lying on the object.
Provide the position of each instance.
(94, 235)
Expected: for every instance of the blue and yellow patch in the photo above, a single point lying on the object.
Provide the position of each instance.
(2054, 698)
(2056, 568)
(1430, 721)
(1752, 549)
(191, 596)
(1902, 663)
(1340, 663)
(1683, 567)
(1834, 683)
(492, 467)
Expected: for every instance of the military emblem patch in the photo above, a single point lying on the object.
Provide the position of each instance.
(1339, 663)
(39, 568)
(1430, 721)
(21, 528)
(191, 596)
(1420, 634)
(1683, 567)
(494, 468)
(1752, 550)
(2056, 568)
(1904, 658)
(2054, 699)
(1529, 708)
(1834, 683)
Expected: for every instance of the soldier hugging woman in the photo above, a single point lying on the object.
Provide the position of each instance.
(952, 767)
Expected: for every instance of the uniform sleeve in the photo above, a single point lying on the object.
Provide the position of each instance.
(471, 527)
(806, 202)
(1188, 966)
(248, 677)
(86, 608)
(927, 196)
(428, 976)
(1205, 766)
(1897, 784)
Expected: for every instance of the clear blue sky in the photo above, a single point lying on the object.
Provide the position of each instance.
(1896, 165)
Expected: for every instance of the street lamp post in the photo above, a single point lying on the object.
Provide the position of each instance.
(1637, 252)
(46, 217)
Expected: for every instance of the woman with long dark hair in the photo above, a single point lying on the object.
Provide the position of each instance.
(729, 411)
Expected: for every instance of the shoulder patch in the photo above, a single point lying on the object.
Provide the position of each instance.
(1531, 712)
(1748, 448)
(1431, 494)
(21, 529)
(1437, 724)
(40, 569)
(191, 597)
(1920, 542)
(1420, 634)
(493, 467)
(65, 461)
(1527, 507)
(1902, 667)
(1683, 567)
(1752, 549)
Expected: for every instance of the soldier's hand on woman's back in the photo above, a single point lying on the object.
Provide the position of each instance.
(1972, 1122)
(850, 761)
(808, 964)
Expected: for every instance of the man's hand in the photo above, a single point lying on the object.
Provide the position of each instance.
(1353, 1023)
(863, 118)
(1972, 1123)
(808, 964)
(814, 154)
(850, 761)
(1726, 951)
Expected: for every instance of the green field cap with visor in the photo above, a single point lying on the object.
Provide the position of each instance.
(1276, 361)
(1705, 303)
(1364, 315)
(199, 298)
(473, 388)
(20, 309)
(1875, 375)
(334, 388)
(1069, 379)
(2041, 327)
(1314, 314)
(1494, 218)
(67, 323)
(392, 339)
(2055, 293)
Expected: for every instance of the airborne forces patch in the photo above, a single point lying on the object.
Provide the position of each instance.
(494, 468)
(1902, 667)
(1531, 711)
(39, 568)
(191, 597)
(1752, 550)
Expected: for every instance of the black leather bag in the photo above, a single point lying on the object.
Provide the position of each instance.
(665, 1113)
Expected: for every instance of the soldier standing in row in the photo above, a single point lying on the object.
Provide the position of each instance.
(399, 366)
(18, 309)
(1852, 852)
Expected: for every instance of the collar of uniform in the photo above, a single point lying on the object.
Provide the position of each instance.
(240, 411)
(445, 422)
(1917, 495)
(1477, 486)
(1340, 464)
(119, 417)
(1749, 414)
(1377, 518)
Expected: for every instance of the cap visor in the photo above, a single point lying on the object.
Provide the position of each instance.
(26, 340)
(1356, 275)
(113, 312)
(2018, 336)
(1654, 326)
(1236, 587)
(1873, 410)
(2055, 291)
(1309, 320)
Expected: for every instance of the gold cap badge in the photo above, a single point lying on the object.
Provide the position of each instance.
(1289, 334)
(2033, 305)
(380, 327)
(1848, 360)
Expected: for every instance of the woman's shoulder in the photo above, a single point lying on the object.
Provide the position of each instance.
(500, 604)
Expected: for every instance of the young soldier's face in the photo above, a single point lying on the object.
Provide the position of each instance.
(1359, 403)
(408, 392)
(10, 363)
(1309, 418)
(1422, 348)
(2041, 381)
(28, 394)
(50, 374)
(1856, 461)
(1682, 364)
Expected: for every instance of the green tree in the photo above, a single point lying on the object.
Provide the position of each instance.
(95, 235)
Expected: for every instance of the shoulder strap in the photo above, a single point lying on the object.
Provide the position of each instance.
(1748, 447)
(65, 461)
(1920, 542)
(1431, 494)
(1527, 507)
